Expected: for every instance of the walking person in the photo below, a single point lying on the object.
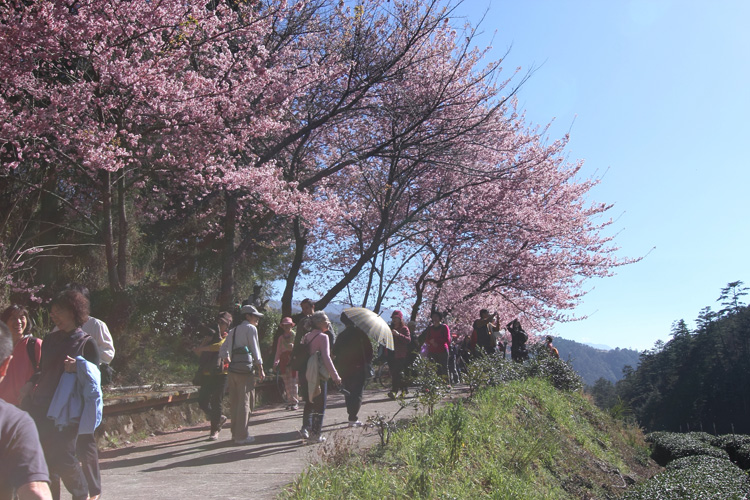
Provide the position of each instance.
(284, 346)
(352, 355)
(242, 351)
(398, 358)
(298, 358)
(212, 374)
(69, 310)
(86, 447)
(437, 339)
(315, 390)
(27, 351)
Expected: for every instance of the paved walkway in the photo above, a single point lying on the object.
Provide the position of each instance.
(183, 465)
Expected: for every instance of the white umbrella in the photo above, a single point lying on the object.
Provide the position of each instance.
(373, 325)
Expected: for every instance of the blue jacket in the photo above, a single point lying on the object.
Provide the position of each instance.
(78, 398)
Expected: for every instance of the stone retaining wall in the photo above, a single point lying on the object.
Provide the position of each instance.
(132, 417)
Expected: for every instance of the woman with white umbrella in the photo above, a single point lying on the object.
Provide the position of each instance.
(352, 355)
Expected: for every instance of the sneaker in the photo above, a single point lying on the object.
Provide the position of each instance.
(222, 421)
(356, 423)
(247, 440)
(214, 436)
(292, 407)
(391, 395)
(316, 439)
(304, 433)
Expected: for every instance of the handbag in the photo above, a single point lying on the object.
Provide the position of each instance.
(241, 360)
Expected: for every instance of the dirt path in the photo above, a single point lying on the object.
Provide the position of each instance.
(183, 465)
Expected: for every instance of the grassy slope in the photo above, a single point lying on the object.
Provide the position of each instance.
(520, 440)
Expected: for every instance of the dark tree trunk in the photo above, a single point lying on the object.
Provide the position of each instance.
(122, 232)
(49, 220)
(226, 291)
(109, 248)
(300, 243)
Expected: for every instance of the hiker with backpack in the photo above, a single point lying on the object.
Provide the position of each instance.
(241, 350)
(27, 351)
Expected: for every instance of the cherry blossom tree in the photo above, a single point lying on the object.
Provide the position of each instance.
(154, 100)
(496, 217)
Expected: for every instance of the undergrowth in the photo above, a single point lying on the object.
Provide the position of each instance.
(523, 440)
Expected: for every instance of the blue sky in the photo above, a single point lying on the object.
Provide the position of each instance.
(656, 95)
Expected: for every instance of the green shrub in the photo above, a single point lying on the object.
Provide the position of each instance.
(561, 374)
(668, 446)
(490, 371)
(430, 387)
(694, 478)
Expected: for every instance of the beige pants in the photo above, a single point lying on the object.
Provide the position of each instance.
(290, 383)
(241, 402)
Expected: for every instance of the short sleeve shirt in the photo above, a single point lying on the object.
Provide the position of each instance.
(21, 454)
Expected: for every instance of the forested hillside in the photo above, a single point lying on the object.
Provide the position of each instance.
(699, 380)
(593, 364)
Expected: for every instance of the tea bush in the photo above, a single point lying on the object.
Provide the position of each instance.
(668, 446)
(561, 374)
(738, 447)
(698, 477)
(490, 371)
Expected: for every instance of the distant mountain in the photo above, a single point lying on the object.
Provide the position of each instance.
(601, 347)
(332, 310)
(592, 364)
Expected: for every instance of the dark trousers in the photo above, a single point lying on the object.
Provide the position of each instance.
(397, 366)
(441, 358)
(60, 453)
(355, 384)
(455, 377)
(88, 453)
(312, 414)
(210, 396)
(488, 348)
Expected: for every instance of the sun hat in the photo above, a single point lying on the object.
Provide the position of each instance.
(287, 321)
(248, 309)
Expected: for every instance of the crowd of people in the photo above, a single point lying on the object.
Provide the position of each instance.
(51, 400)
(51, 397)
(308, 355)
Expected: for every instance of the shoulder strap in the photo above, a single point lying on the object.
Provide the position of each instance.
(231, 349)
(31, 352)
(308, 343)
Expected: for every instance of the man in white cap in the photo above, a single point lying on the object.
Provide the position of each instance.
(242, 350)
